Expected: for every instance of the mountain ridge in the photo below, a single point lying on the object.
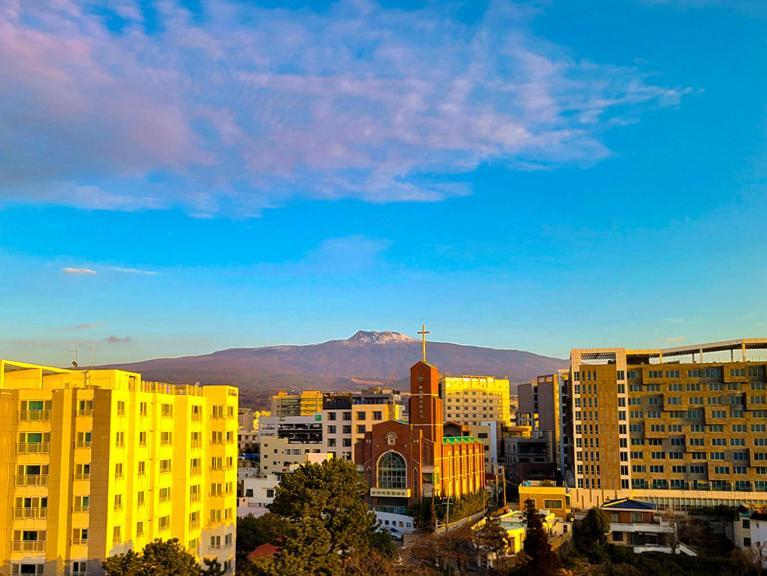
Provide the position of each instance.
(368, 356)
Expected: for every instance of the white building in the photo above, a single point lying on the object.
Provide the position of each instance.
(257, 494)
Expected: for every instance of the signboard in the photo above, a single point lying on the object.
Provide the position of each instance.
(390, 492)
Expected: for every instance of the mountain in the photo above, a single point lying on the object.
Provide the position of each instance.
(364, 359)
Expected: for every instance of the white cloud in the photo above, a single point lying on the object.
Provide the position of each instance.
(79, 271)
(137, 271)
(254, 106)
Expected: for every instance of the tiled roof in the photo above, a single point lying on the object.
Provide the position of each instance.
(264, 551)
(627, 504)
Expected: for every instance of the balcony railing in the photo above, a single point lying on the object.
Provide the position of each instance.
(34, 415)
(194, 524)
(78, 540)
(83, 444)
(82, 508)
(30, 513)
(28, 545)
(34, 447)
(31, 480)
(85, 412)
(83, 476)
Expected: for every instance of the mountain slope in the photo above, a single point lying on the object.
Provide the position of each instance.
(366, 357)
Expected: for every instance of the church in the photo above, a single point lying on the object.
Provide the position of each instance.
(404, 462)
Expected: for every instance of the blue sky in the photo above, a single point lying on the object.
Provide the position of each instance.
(179, 177)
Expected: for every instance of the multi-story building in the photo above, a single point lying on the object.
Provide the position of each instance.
(304, 403)
(476, 399)
(686, 425)
(346, 418)
(542, 407)
(285, 441)
(97, 462)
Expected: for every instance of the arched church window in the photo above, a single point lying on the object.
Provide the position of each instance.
(392, 471)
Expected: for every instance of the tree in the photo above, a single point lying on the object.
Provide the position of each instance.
(492, 541)
(159, 558)
(328, 521)
(590, 533)
(540, 559)
(212, 567)
(252, 532)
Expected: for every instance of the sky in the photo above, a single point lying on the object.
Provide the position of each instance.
(178, 177)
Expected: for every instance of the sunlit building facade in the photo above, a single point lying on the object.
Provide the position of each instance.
(97, 462)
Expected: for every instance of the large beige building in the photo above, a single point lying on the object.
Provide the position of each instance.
(686, 425)
(476, 399)
(97, 462)
(304, 403)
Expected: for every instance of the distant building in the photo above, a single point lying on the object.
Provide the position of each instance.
(257, 494)
(99, 462)
(530, 457)
(750, 533)
(476, 399)
(286, 441)
(404, 462)
(304, 403)
(540, 406)
(346, 418)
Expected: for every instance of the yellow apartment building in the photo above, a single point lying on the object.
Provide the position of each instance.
(685, 426)
(476, 399)
(97, 462)
(305, 403)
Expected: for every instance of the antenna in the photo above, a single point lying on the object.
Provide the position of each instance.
(74, 362)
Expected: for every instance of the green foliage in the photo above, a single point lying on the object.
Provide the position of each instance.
(252, 532)
(212, 567)
(324, 524)
(159, 558)
(540, 560)
(590, 533)
(492, 542)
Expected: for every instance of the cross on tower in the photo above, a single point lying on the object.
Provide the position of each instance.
(423, 334)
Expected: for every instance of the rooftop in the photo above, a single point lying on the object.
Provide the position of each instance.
(628, 504)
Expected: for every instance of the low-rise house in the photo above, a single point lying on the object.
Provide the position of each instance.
(750, 533)
(637, 524)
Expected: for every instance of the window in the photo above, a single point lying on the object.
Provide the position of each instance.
(141, 468)
(118, 470)
(165, 466)
(361, 415)
(166, 438)
(552, 504)
(140, 498)
(377, 415)
(116, 535)
(167, 410)
(391, 471)
(164, 523)
(139, 528)
(142, 438)
(143, 411)
(118, 501)
(80, 536)
(164, 494)
(121, 407)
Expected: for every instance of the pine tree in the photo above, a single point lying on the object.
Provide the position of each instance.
(542, 561)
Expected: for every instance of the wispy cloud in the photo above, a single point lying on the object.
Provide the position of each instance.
(85, 326)
(79, 271)
(138, 271)
(675, 339)
(246, 107)
(117, 340)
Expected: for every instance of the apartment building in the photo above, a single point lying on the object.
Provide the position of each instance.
(543, 406)
(346, 418)
(684, 425)
(475, 399)
(98, 462)
(304, 403)
(286, 441)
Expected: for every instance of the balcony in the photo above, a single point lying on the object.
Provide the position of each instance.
(28, 545)
(30, 513)
(31, 480)
(34, 415)
(83, 476)
(33, 447)
(81, 508)
(85, 412)
(77, 541)
(83, 444)
(194, 524)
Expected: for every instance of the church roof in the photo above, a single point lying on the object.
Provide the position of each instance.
(427, 364)
(627, 504)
